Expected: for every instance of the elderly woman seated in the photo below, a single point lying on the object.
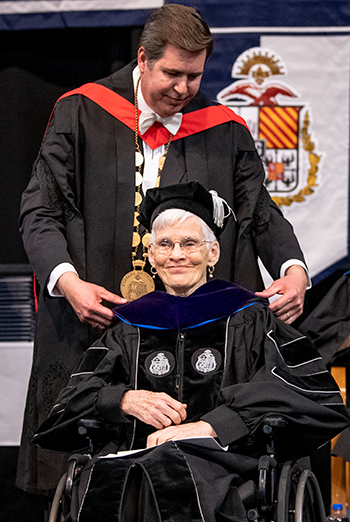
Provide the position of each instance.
(186, 377)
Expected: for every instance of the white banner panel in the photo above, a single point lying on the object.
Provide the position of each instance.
(293, 91)
(16, 362)
(318, 69)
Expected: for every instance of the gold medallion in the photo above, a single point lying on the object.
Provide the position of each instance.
(138, 159)
(136, 222)
(161, 162)
(135, 284)
(138, 199)
(146, 238)
(138, 179)
(135, 239)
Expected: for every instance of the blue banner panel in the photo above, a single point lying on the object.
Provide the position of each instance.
(273, 13)
(52, 14)
(73, 20)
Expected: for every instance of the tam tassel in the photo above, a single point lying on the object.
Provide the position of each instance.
(219, 209)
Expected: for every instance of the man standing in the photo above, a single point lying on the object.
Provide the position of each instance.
(106, 143)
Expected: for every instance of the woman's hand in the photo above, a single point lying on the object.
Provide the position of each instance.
(192, 429)
(157, 409)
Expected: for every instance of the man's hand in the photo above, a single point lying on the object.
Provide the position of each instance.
(292, 288)
(192, 429)
(86, 299)
(157, 409)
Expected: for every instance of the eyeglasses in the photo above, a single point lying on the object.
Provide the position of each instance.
(187, 244)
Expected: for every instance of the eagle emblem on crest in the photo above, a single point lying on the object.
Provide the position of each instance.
(278, 122)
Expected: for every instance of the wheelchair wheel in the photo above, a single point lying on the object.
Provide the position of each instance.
(56, 511)
(299, 496)
(309, 503)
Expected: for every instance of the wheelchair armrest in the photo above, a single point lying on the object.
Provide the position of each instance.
(95, 432)
(272, 422)
(87, 427)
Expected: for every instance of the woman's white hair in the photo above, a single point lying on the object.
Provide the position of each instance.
(171, 215)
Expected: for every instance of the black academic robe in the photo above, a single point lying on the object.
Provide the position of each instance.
(79, 208)
(220, 351)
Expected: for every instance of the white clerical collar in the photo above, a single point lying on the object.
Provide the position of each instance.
(149, 116)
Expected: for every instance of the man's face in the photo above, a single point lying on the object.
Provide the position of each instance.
(168, 84)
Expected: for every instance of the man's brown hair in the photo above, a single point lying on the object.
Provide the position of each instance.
(177, 25)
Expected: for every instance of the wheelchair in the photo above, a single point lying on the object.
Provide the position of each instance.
(285, 491)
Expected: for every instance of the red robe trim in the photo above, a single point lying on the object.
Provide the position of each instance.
(157, 134)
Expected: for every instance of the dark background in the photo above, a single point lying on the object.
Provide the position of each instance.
(36, 67)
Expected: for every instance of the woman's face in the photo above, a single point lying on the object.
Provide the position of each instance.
(182, 273)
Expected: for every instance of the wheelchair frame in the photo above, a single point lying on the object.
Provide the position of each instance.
(285, 492)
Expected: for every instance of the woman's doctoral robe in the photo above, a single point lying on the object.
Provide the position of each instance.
(221, 352)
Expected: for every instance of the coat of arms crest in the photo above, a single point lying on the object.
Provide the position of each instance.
(278, 122)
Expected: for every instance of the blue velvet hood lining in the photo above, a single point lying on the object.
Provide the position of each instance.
(213, 300)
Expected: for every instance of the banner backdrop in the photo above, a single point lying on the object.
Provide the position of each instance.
(293, 91)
